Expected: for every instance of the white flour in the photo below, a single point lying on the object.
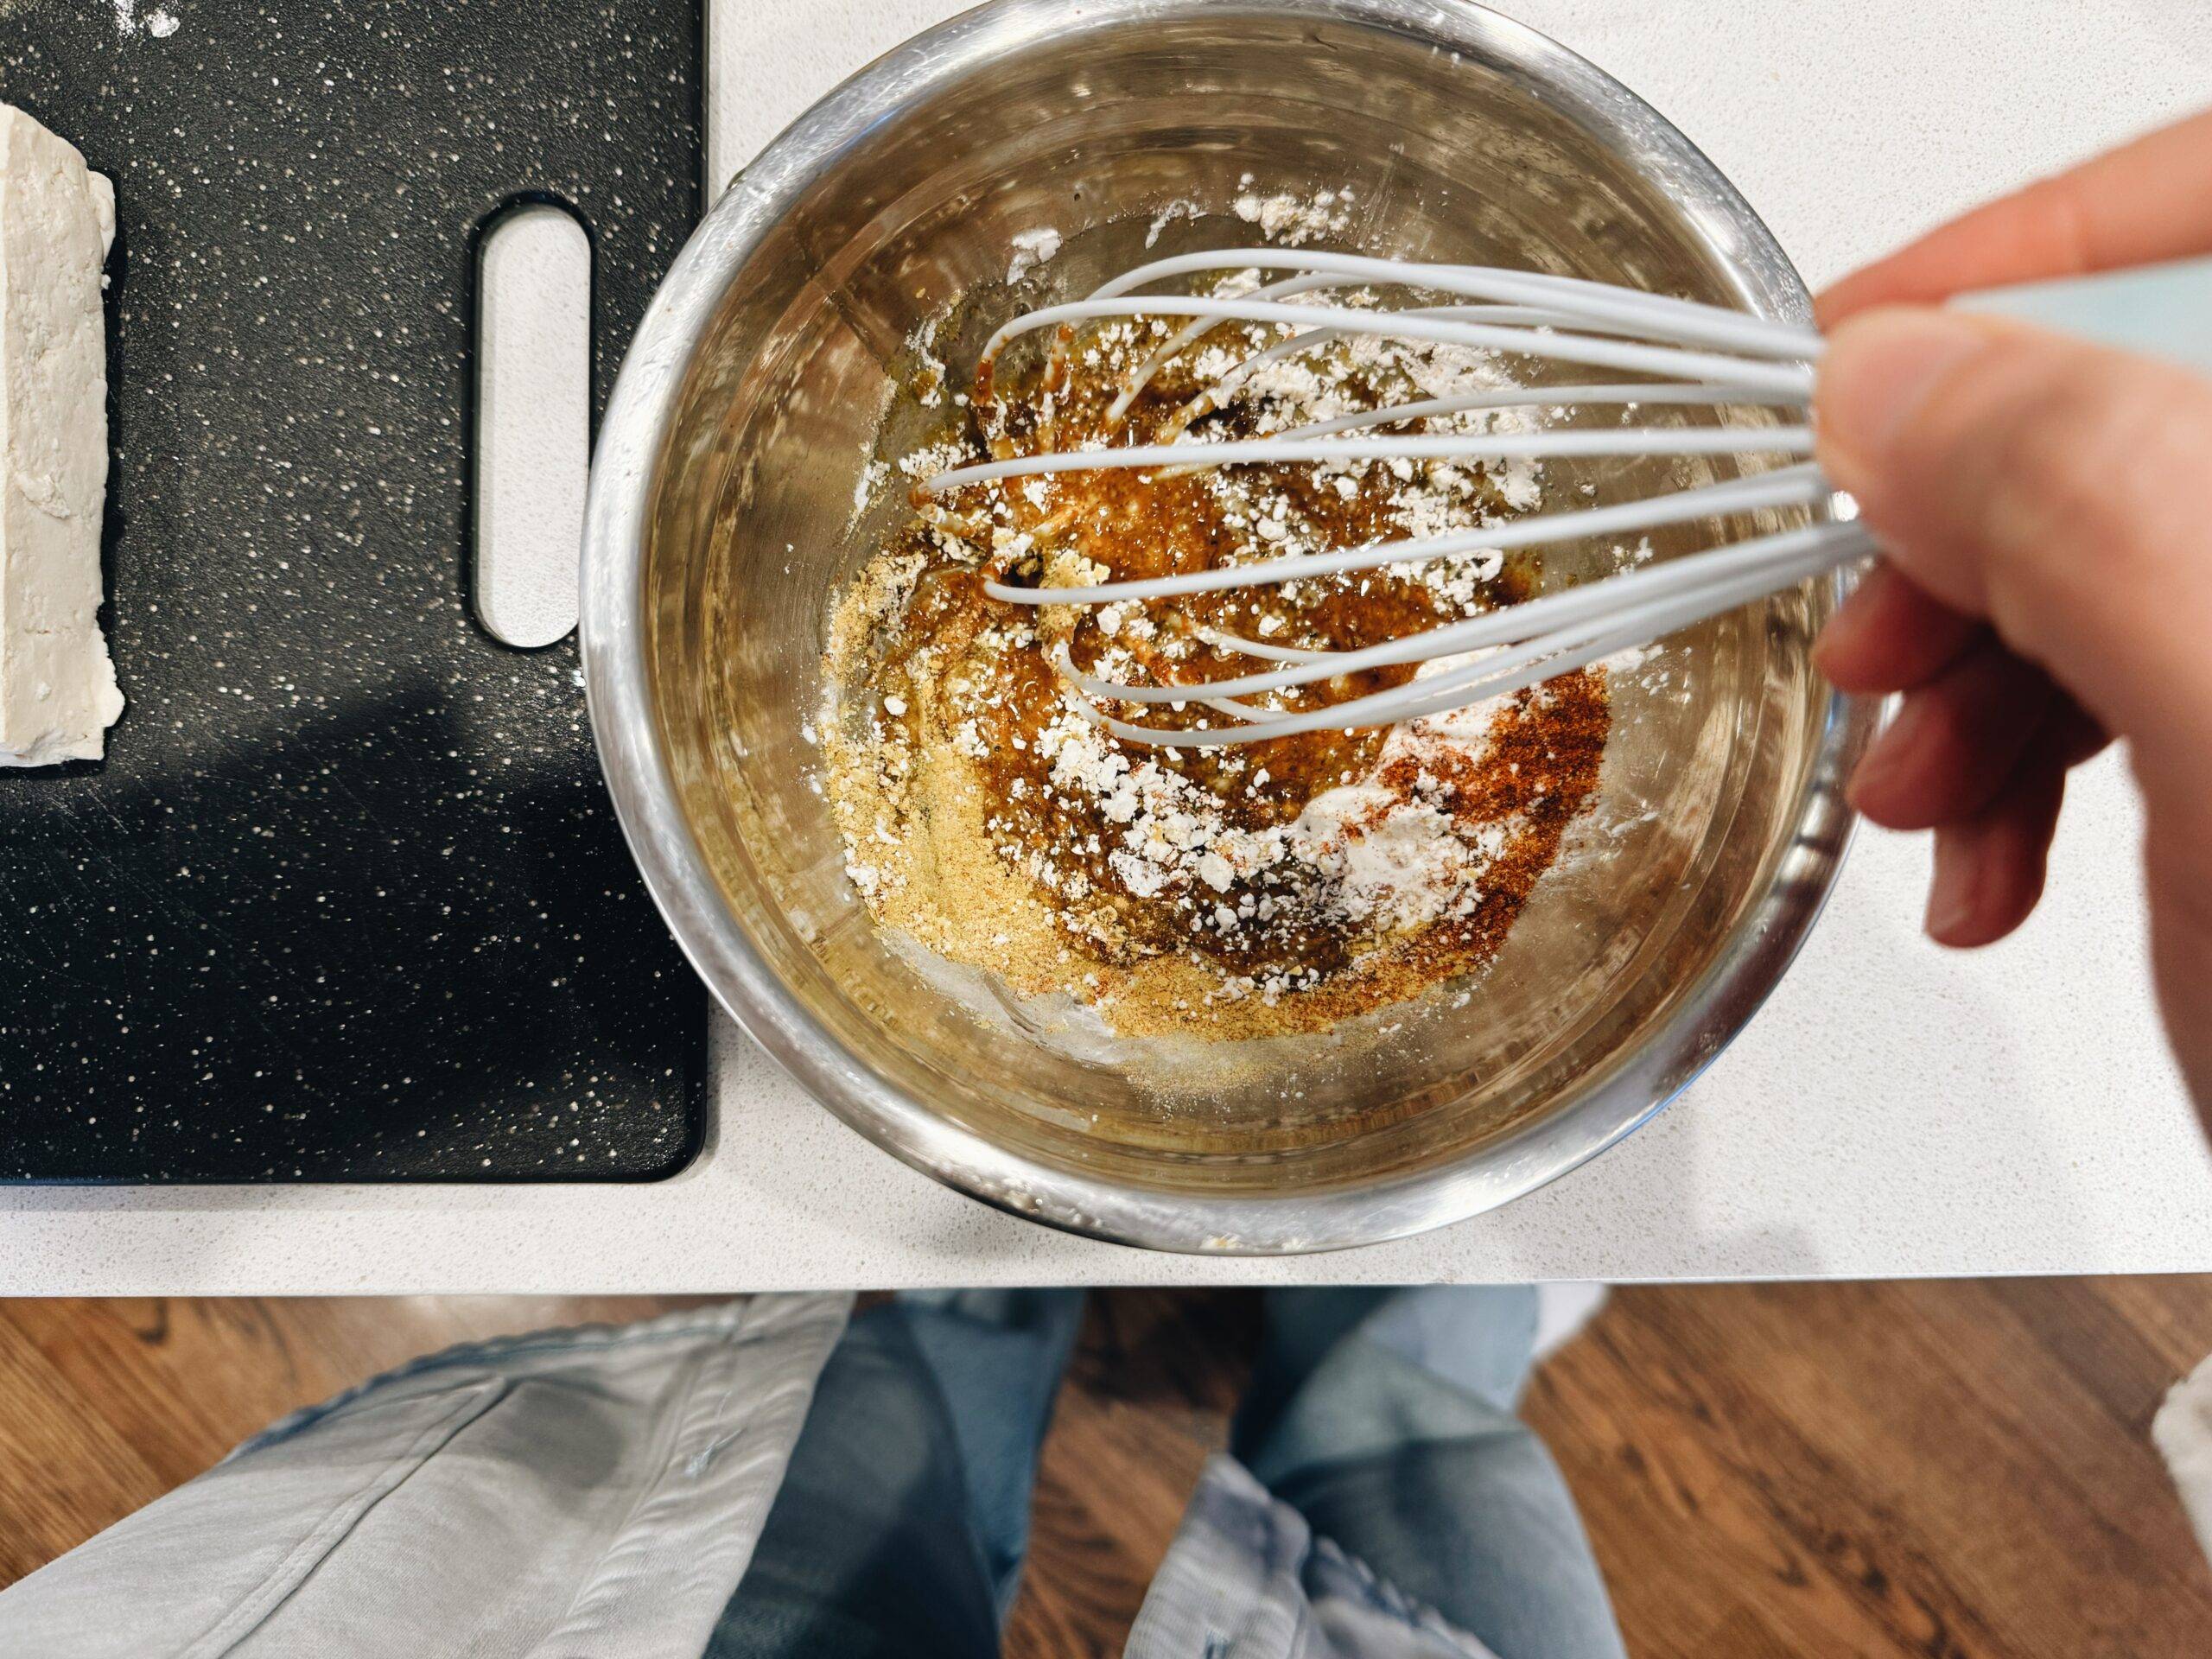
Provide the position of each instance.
(1294, 221)
(1431, 498)
(1031, 250)
(1168, 216)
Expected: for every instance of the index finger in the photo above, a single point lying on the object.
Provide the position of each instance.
(2148, 200)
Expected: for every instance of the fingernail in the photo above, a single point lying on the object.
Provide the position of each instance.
(1886, 754)
(1879, 369)
(1950, 891)
(1866, 777)
(1849, 619)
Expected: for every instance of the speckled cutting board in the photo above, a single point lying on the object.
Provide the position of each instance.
(346, 900)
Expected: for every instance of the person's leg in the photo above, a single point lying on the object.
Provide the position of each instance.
(901, 1523)
(1385, 1418)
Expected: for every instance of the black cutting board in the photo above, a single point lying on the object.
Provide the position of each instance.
(346, 900)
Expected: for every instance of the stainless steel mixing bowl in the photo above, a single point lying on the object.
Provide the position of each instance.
(723, 512)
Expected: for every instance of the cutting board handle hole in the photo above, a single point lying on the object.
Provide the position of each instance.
(531, 448)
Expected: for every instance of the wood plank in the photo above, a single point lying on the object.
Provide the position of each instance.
(1878, 1469)
(67, 1472)
(2005, 1448)
(2167, 1310)
(1700, 1506)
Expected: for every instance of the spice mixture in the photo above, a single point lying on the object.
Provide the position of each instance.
(1281, 886)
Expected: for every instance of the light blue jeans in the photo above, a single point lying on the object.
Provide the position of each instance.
(1411, 1512)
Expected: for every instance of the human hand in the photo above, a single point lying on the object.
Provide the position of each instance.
(2047, 510)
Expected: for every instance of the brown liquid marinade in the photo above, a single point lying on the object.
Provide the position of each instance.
(983, 818)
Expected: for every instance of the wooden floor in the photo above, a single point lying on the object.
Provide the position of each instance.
(1952, 1469)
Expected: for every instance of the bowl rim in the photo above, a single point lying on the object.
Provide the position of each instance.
(1599, 1112)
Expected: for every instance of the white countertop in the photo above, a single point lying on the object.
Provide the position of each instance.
(1894, 1110)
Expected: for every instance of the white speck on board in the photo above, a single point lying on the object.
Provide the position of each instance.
(160, 22)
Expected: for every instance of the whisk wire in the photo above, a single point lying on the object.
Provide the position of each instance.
(1625, 594)
(1660, 315)
(1697, 354)
(1672, 361)
(1484, 446)
(1787, 486)
(1529, 663)
(1630, 394)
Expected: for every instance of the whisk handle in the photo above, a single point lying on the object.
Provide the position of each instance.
(2163, 311)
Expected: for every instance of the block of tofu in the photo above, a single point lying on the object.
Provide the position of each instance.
(57, 694)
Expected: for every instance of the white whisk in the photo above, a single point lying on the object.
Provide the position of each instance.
(1698, 354)
(1709, 356)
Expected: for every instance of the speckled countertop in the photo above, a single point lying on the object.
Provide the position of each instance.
(1894, 1110)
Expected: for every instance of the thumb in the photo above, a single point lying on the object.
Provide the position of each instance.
(2059, 491)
